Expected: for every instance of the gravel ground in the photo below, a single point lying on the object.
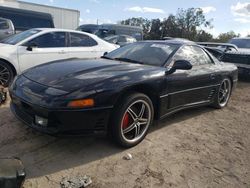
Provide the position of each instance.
(194, 148)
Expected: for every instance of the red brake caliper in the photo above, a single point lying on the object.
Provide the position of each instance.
(125, 122)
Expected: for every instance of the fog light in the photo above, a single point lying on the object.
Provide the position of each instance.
(41, 121)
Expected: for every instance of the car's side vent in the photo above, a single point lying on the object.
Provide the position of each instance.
(100, 124)
(211, 94)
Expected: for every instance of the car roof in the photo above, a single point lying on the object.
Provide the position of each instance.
(179, 42)
(64, 30)
(57, 29)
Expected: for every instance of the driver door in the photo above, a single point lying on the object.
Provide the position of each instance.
(195, 86)
(44, 48)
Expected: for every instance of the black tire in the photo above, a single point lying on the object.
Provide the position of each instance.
(6, 74)
(219, 102)
(132, 101)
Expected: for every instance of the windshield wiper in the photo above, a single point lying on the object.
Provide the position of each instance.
(128, 60)
(105, 57)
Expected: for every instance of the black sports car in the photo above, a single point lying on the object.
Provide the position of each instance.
(122, 92)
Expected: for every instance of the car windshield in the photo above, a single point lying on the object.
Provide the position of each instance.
(14, 39)
(147, 53)
(241, 43)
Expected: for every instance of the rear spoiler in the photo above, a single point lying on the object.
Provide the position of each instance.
(220, 46)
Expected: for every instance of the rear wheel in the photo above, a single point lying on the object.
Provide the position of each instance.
(6, 74)
(131, 120)
(224, 93)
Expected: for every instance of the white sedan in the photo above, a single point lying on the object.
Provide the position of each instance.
(37, 46)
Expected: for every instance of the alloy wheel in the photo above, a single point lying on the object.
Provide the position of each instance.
(224, 92)
(4, 75)
(135, 121)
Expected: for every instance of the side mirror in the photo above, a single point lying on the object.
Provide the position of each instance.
(180, 65)
(31, 46)
(105, 53)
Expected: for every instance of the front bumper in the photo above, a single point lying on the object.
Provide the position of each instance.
(62, 121)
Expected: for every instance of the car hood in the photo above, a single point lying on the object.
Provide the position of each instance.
(74, 74)
(6, 47)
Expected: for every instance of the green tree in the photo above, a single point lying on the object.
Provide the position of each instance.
(225, 37)
(187, 23)
(140, 22)
(203, 36)
(155, 30)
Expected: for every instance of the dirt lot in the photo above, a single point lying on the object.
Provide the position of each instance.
(194, 148)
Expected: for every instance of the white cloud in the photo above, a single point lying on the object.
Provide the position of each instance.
(51, 1)
(208, 9)
(244, 33)
(241, 9)
(87, 11)
(242, 20)
(145, 10)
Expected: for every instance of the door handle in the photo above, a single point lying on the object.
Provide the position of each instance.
(212, 76)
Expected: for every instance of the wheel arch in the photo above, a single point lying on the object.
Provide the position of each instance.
(144, 89)
(11, 65)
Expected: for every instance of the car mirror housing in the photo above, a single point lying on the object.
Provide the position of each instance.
(31, 46)
(180, 65)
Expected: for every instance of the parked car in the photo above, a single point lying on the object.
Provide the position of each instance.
(122, 92)
(106, 30)
(243, 43)
(6, 28)
(13, 20)
(88, 28)
(121, 40)
(37, 46)
(230, 53)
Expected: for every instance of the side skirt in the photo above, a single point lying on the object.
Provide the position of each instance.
(191, 105)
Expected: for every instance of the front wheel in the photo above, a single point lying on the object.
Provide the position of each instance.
(131, 119)
(224, 94)
(6, 74)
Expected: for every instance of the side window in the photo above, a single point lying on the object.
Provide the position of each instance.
(49, 40)
(200, 56)
(81, 40)
(185, 53)
(195, 55)
(4, 24)
(122, 39)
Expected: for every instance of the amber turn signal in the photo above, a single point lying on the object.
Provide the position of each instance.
(82, 103)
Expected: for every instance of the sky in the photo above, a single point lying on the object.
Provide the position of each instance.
(227, 15)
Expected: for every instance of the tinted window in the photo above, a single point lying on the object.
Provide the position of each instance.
(145, 52)
(49, 40)
(201, 56)
(102, 33)
(81, 40)
(195, 55)
(111, 39)
(88, 28)
(20, 36)
(4, 24)
(122, 39)
(28, 21)
(241, 43)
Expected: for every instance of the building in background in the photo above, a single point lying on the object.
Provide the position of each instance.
(62, 17)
